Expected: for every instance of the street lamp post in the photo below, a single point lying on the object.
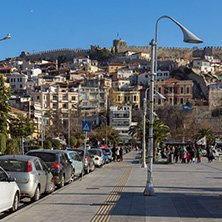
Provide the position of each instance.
(189, 38)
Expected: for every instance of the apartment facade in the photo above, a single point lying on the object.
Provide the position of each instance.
(175, 91)
(121, 120)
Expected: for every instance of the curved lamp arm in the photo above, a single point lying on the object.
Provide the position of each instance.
(188, 36)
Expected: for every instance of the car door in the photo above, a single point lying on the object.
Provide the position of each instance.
(47, 173)
(6, 191)
(78, 164)
(65, 165)
(42, 176)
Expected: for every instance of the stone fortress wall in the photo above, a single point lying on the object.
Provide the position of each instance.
(172, 52)
(121, 46)
(54, 54)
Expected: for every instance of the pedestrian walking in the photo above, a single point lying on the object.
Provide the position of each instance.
(117, 154)
(114, 153)
(192, 155)
(184, 156)
(176, 154)
(199, 155)
(121, 153)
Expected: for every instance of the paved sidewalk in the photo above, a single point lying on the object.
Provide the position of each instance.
(184, 192)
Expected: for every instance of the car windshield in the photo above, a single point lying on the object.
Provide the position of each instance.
(46, 157)
(14, 165)
(95, 152)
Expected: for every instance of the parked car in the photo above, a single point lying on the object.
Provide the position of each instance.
(9, 192)
(97, 156)
(88, 147)
(32, 174)
(108, 153)
(59, 163)
(87, 161)
(76, 160)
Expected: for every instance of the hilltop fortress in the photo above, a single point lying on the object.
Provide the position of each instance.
(171, 52)
(120, 46)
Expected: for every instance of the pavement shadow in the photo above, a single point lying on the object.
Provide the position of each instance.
(175, 205)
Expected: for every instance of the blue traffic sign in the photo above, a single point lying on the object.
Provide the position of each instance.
(86, 126)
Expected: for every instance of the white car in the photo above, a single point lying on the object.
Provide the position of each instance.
(96, 154)
(9, 192)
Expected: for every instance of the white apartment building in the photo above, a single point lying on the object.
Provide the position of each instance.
(17, 81)
(121, 120)
(162, 75)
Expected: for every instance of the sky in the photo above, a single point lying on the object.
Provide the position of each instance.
(39, 25)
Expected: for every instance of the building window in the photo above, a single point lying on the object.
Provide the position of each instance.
(159, 90)
(165, 90)
(54, 105)
(146, 76)
(135, 99)
(181, 100)
(175, 90)
(181, 90)
(175, 101)
(20, 86)
(188, 90)
(64, 98)
(55, 98)
(159, 101)
(73, 98)
(118, 98)
(37, 97)
(171, 90)
(64, 106)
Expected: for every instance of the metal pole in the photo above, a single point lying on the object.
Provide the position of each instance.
(69, 128)
(144, 132)
(149, 190)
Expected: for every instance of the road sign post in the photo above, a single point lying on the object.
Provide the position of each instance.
(86, 127)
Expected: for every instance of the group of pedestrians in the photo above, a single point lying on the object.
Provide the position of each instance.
(117, 153)
(183, 154)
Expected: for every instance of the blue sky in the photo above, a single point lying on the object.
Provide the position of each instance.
(46, 24)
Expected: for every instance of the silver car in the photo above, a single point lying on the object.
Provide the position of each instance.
(9, 192)
(32, 174)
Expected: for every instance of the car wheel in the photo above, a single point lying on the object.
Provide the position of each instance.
(51, 187)
(87, 170)
(93, 168)
(62, 183)
(36, 195)
(15, 203)
(72, 176)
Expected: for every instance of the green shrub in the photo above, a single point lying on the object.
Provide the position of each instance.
(55, 144)
(12, 147)
(73, 141)
(34, 147)
(47, 144)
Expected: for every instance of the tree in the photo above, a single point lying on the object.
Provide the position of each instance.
(21, 127)
(12, 147)
(47, 144)
(171, 115)
(160, 132)
(4, 106)
(205, 132)
(2, 143)
(55, 144)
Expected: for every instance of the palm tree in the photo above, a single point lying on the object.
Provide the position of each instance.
(205, 132)
(160, 132)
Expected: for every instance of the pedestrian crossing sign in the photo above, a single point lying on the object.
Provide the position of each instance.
(86, 126)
